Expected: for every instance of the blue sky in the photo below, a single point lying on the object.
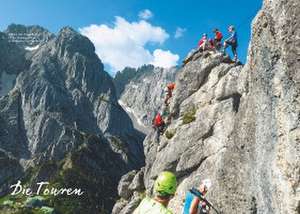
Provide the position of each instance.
(195, 16)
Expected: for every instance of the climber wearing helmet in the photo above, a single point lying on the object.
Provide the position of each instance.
(158, 125)
(218, 39)
(203, 43)
(164, 188)
(232, 41)
(169, 92)
(193, 204)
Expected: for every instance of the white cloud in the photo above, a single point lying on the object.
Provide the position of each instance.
(124, 44)
(164, 59)
(145, 14)
(179, 32)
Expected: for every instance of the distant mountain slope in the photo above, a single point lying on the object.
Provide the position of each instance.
(62, 123)
(141, 90)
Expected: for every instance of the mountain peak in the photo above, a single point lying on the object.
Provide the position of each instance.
(67, 30)
(18, 28)
(74, 42)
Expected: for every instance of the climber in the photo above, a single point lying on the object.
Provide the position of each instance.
(203, 43)
(218, 39)
(159, 123)
(232, 41)
(193, 204)
(164, 188)
(211, 44)
(169, 92)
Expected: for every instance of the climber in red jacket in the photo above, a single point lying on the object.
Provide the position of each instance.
(218, 39)
(159, 123)
(203, 43)
(158, 120)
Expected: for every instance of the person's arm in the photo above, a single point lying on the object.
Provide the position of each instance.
(229, 38)
(216, 35)
(194, 206)
(232, 37)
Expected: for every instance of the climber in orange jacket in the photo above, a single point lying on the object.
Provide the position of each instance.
(169, 92)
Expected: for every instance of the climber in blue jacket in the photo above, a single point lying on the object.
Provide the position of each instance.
(193, 204)
(233, 42)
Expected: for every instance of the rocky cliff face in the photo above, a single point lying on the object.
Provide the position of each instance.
(62, 123)
(141, 91)
(237, 125)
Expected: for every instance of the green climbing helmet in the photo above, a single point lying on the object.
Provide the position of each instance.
(165, 184)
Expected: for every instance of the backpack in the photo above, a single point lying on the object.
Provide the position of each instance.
(187, 203)
(202, 209)
(158, 120)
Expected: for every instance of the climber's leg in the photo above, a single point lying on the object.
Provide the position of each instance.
(234, 51)
(157, 134)
(224, 47)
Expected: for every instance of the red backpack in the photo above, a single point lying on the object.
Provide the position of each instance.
(158, 120)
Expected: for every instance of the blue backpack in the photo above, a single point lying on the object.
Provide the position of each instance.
(188, 201)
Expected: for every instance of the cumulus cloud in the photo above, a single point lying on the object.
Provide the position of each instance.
(179, 32)
(164, 59)
(145, 14)
(124, 44)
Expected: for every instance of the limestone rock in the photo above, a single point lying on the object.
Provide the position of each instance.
(239, 125)
(123, 188)
(141, 91)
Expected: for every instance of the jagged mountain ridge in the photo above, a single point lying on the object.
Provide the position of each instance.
(55, 124)
(142, 91)
(128, 74)
(28, 36)
(238, 126)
